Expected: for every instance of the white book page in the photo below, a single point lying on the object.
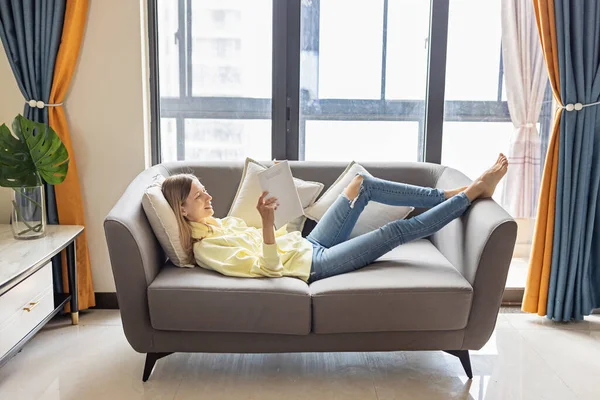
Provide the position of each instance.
(279, 182)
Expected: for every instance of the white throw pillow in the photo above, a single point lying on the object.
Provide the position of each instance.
(249, 190)
(374, 216)
(164, 224)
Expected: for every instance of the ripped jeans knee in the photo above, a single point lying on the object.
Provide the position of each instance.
(361, 189)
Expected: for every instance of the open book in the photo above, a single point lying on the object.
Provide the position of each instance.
(279, 182)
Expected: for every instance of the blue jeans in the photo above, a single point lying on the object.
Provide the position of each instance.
(334, 254)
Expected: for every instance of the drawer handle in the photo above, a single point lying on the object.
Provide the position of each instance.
(31, 306)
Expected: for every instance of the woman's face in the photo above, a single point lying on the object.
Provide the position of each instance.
(197, 207)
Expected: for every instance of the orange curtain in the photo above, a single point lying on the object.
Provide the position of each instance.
(538, 277)
(68, 193)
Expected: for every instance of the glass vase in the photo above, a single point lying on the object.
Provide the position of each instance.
(28, 217)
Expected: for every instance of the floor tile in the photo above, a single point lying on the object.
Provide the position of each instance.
(526, 358)
(505, 368)
(278, 376)
(574, 355)
(502, 322)
(83, 362)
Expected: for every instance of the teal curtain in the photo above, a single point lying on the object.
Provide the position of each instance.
(31, 31)
(575, 273)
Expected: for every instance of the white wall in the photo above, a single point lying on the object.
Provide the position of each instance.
(106, 109)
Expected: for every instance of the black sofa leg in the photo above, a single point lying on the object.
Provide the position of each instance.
(465, 360)
(151, 359)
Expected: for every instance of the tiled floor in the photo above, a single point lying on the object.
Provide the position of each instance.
(528, 357)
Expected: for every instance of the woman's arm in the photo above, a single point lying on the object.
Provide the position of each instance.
(268, 232)
(270, 258)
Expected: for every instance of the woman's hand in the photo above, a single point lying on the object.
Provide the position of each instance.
(266, 208)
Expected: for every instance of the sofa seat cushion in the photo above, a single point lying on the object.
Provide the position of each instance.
(412, 288)
(182, 299)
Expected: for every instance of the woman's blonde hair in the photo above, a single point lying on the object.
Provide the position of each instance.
(176, 189)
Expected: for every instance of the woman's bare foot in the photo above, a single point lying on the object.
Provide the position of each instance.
(485, 185)
(492, 176)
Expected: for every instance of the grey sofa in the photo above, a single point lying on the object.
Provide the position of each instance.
(437, 293)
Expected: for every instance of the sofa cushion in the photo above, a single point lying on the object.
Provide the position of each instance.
(164, 223)
(195, 299)
(412, 288)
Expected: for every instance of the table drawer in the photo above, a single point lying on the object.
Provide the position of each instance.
(22, 322)
(15, 299)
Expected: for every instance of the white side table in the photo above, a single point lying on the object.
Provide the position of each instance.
(27, 299)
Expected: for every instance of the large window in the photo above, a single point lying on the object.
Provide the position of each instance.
(332, 80)
(356, 89)
(477, 124)
(214, 61)
(474, 79)
(386, 80)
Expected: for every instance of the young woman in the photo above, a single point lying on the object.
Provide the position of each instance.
(232, 248)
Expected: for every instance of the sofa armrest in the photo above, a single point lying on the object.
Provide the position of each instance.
(480, 246)
(136, 258)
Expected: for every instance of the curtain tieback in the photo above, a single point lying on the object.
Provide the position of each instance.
(41, 104)
(527, 125)
(578, 106)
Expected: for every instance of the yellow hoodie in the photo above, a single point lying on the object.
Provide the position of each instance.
(235, 249)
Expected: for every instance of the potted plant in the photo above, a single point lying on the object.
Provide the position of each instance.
(31, 155)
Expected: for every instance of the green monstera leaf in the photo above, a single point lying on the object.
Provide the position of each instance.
(33, 153)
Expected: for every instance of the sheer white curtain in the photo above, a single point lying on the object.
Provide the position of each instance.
(526, 77)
